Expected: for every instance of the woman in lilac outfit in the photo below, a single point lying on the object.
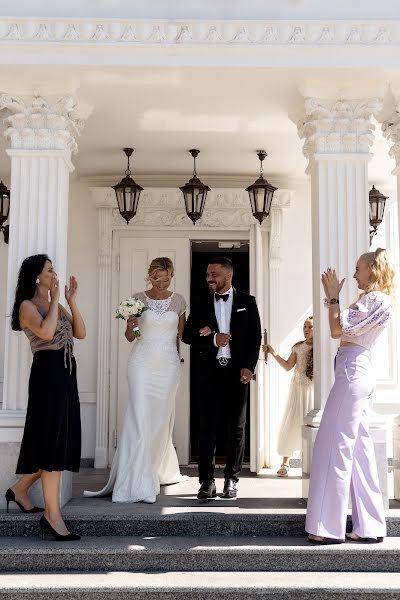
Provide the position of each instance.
(343, 461)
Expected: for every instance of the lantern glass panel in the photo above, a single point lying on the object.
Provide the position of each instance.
(4, 207)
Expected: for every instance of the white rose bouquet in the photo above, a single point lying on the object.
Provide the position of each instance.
(131, 307)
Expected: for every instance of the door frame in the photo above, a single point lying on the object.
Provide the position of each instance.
(227, 216)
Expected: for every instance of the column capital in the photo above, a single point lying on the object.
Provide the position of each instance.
(391, 131)
(44, 123)
(337, 126)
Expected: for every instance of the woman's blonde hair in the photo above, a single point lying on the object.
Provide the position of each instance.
(162, 263)
(382, 278)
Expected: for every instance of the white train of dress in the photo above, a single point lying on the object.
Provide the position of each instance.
(146, 457)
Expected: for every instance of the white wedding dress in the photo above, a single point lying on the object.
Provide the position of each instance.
(146, 457)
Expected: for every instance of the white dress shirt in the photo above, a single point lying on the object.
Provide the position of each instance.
(223, 312)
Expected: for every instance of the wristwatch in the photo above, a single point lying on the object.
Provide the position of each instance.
(334, 301)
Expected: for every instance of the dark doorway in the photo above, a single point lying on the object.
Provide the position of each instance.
(202, 251)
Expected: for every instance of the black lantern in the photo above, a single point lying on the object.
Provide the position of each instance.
(261, 193)
(4, 209)
(194, 193)
(127, 192)
(377, 203)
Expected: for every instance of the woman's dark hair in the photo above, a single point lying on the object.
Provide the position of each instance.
(26, 284)
(310, 357)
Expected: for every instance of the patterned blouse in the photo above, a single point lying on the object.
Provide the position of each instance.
(364, 321)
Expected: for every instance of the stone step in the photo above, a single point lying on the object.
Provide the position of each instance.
(204, 586)
(161, 523)
(169, 554)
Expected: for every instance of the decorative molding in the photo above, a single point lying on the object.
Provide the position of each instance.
(391, 131)
(338, 126)
(73, 31)
(36, 123)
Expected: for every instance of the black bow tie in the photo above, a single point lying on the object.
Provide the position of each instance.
(224, 297)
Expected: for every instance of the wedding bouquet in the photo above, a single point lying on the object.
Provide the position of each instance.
(131, 307)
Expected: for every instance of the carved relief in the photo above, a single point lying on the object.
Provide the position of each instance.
(35, 122)
(53, 30)
(338, 125)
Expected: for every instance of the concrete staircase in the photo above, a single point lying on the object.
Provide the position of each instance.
(183, 549)
(192, 556)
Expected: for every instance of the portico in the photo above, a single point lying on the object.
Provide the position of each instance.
(164, 87)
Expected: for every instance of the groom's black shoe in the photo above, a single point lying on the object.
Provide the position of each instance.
(207, 489)
(230, 490)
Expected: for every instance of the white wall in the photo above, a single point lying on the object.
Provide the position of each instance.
(206, 9)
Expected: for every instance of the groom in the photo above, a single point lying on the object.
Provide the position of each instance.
(225, 330)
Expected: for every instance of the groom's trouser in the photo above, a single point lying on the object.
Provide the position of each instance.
(223, 400)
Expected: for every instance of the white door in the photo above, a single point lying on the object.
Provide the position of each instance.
(135, 255)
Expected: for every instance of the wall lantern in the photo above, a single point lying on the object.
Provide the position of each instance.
(194, 193)
(4, 210)
(261, 193)
(127, 192)
(377, 203)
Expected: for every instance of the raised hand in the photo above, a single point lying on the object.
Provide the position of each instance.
(331, 284)
(55, 289)
(71, 291)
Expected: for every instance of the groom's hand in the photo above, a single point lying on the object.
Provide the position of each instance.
(245, 376)
(222, 339)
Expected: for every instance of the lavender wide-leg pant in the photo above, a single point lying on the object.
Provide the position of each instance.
(343, 461)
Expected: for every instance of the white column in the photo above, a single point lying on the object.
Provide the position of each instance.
(337, 134)
(105, 201)
(42, 134)
(391, 130)
(280, 205)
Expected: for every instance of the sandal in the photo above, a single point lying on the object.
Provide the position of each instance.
(366, 540)
(283, 471)
(325, 541)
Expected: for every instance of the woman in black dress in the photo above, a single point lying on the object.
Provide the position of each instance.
(52, 434)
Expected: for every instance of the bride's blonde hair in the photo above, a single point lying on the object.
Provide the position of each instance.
(162, 263)
(383, 275)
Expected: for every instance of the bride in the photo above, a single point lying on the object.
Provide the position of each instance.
(146, 458)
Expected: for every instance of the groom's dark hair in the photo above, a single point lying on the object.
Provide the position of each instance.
(223, 261)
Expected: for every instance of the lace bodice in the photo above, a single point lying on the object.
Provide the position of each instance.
(302, 351)
(175, 303)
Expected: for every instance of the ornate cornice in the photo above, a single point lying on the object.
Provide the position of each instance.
(37, 123)
(71, 31)
(338, 126)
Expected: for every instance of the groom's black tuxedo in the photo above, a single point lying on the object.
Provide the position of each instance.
(223, 395)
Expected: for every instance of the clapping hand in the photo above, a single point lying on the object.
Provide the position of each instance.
(55, 289)
(71, 291)
(331, 284)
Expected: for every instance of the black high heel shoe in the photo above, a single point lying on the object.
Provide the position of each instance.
(45, 526)
(10, 497)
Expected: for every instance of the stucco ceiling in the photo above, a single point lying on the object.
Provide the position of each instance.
(162, 112)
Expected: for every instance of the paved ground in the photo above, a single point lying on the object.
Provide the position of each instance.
(265, 494)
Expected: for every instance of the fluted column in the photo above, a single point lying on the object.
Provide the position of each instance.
(391, 130)
(42, 133)
(105, 201)
(280, 205)
(338, 134)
